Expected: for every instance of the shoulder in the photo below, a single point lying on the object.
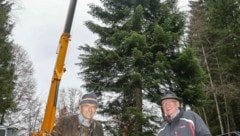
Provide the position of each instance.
(192, 114)
(188, 116)
(98, 128)
(98, 123)
(71, 118)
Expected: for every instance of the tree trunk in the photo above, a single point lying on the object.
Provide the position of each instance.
(2, 119)
(139, 107)
(227, 115)
(205, 116)
(218, 112)
(213, 89)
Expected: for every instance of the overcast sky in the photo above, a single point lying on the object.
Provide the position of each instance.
(39, 25)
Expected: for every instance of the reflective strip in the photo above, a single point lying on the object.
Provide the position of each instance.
(188, 120)
(162, 128)
(191, 125)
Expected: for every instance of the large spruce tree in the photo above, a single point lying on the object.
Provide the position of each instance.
(139, 56)
(6, 60)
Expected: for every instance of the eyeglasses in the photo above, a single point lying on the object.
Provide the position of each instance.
(169, 103)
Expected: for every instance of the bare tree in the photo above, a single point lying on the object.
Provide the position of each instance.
(68, 100)
(27, 106)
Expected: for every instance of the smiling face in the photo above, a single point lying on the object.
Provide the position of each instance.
(170, 107)
(88, 111)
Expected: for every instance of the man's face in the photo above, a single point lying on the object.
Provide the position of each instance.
(170, 107)
(88, 111)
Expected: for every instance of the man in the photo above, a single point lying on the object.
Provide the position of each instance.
(178, 122)
(82, 124)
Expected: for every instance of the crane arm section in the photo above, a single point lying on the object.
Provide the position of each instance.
(50, 111)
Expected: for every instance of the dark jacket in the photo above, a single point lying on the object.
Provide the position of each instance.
(186, 123)
(70, 126)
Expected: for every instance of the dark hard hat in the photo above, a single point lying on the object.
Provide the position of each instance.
(170, 96)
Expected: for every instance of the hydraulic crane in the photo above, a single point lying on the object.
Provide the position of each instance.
(50, 111)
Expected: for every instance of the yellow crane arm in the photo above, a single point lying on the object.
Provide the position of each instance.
(50, 111)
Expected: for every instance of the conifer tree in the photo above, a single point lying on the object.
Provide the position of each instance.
(6, 60)
(139, 56)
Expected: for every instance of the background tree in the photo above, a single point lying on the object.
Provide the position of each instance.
(68, 101)
(214, 28)
(224, 34)
(18, 107)
(23, 93)
(6, 60)
(139, 56)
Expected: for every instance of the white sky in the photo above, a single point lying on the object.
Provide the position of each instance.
(39, 25)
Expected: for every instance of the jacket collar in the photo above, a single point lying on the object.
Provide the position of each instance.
(176, 117)
(82, 121)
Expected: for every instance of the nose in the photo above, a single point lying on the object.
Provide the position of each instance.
(89, 109)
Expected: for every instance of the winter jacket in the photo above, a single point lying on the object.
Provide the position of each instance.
(186, 123)
(70, 126)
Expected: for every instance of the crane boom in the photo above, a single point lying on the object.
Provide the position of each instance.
(50, 111)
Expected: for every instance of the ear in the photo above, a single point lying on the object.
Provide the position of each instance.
(79, 107)
(178, 103)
